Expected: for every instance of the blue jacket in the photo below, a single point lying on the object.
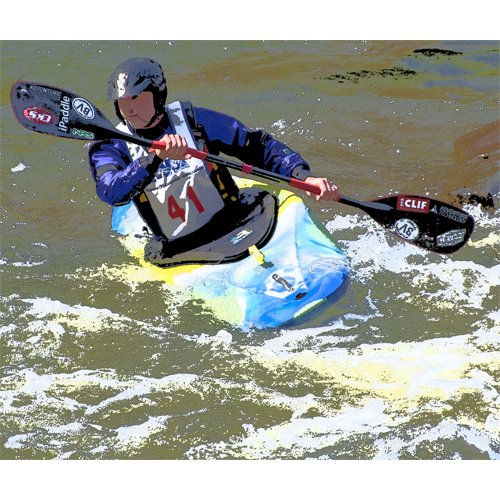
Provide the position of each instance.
(120, 180)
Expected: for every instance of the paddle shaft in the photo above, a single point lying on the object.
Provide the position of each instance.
(260, 172)
(246, 169)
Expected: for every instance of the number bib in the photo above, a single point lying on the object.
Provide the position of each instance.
(181, 194)
(183, 197)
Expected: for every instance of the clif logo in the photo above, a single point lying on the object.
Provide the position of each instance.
(409, 204)
(40, 115)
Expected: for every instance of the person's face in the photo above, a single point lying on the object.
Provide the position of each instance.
(137, 110)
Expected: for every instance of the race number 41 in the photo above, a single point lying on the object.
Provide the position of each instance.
(175, 211)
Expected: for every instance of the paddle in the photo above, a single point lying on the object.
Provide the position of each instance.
(427, 223)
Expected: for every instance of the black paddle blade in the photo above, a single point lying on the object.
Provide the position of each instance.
(54, 111)
(431, 224)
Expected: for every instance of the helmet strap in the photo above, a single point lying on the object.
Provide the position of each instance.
(118, 113)
(155, 116)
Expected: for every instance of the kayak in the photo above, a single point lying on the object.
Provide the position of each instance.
(281, 277)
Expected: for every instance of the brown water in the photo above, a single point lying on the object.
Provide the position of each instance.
(99, 361)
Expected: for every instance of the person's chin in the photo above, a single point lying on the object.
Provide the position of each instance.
(136, 122)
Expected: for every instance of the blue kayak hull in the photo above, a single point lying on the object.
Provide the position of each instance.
(299, 267)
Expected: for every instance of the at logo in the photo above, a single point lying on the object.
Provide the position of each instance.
(409, 204)
(406, 229)
(83, 108)
(40, 115)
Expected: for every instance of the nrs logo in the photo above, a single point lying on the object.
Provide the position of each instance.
(409, 204)
(40, 115)
(83, 133)
(83, 108)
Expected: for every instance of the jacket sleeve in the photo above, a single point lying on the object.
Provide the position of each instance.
(119, 179)
(258, 148)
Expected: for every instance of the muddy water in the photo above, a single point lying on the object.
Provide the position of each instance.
(101, 361)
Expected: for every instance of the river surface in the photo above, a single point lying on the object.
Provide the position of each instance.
(99, 360)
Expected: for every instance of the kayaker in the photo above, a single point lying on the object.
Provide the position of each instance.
(174, 193)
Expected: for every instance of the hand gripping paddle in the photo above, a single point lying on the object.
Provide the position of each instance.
(424, 222)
